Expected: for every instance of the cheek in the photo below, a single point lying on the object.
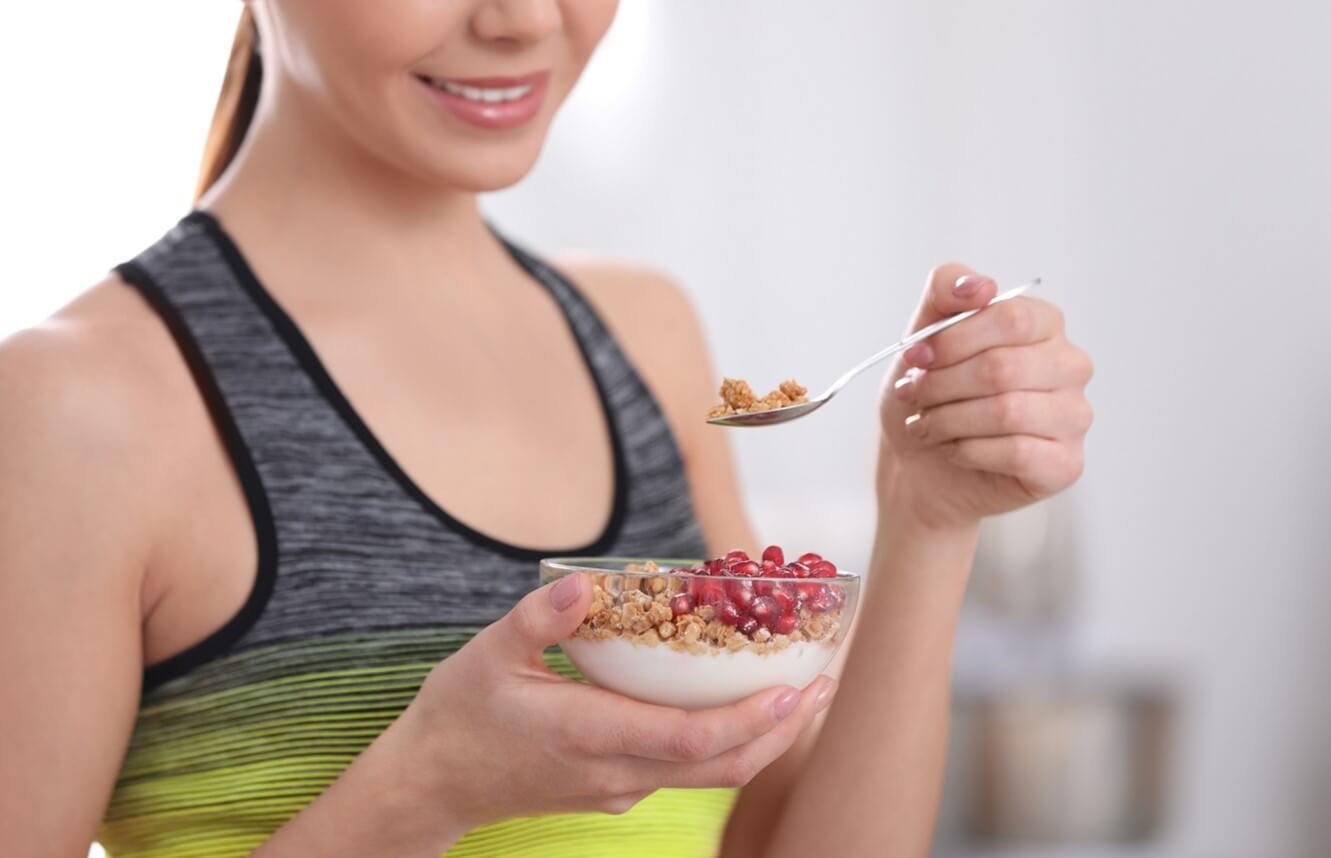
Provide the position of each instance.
(585, 23)
(350, 49)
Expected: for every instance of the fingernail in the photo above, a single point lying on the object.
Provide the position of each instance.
(786, 703)
(913, 423)
(825, 694)
(564, 593)
(920, 354)
(968, 285)
(905, 388)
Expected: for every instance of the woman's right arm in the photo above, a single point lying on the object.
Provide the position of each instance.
(491, 734)
(494, 734)
(72, 551)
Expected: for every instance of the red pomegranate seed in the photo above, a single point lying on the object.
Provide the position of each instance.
(748, 625)
(775, 554)
(738, 555)
(798, 570)
(715, 567)
(727, 613)
(764, 610)
(822, 569)
(741, 593)
(785, 624)
(681, 604)
(770, 569)
(807, 590)
(763, 588)
(706, 591)
(785, 597)
(747, 569)
(840, 595)
(821, 602)
(810, 558)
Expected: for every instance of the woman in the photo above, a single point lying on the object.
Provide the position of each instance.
(274, 491)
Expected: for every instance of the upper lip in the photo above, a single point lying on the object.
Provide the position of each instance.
(491, 82)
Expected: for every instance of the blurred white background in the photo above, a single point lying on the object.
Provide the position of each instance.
(799, 168)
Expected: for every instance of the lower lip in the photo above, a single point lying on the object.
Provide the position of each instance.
(492, 115)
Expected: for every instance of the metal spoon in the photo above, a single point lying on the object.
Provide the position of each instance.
(794, 412)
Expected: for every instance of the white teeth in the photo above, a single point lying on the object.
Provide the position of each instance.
(484, 95)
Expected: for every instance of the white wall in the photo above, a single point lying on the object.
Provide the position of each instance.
(799, 168)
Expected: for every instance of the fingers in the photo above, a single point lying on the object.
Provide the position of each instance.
(1045, 366)
(1043, 466)
(953, 288)
(543, 617)
(737, 766)
(1018, 322)
(1056, 415)
(628, 727)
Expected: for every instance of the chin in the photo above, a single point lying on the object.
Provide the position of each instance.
(477, 167)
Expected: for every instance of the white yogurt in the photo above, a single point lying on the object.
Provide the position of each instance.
(665, 675)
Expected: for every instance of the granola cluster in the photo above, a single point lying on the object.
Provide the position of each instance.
(738, 398)
(640, 610)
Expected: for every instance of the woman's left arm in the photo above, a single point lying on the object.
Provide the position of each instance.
(986, 417)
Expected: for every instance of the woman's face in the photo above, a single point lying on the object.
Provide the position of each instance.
(455, 92)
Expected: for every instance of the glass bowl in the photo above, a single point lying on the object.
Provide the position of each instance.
(696, 640)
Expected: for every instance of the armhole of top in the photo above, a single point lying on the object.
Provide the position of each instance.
(218, 642)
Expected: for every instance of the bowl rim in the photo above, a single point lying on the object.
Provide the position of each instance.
(573, 564)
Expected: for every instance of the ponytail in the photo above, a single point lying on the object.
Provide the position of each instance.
(235, 104)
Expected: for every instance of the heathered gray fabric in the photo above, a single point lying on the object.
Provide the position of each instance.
(358, 548)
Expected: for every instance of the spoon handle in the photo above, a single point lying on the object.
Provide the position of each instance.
(924, 334)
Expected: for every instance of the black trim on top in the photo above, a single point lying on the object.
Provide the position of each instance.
(218, 642)
(309, 360)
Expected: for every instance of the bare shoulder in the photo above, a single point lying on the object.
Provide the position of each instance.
(93, 374)
(655, 323)
(637, 299)
(87, 400)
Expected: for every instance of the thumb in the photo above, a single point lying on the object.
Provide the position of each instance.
(544, 617)
(953, 288)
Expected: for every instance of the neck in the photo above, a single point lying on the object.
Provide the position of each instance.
(302, 182)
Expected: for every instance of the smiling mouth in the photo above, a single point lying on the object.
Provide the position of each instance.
(480, 94)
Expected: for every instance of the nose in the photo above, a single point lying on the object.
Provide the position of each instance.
(517, 21)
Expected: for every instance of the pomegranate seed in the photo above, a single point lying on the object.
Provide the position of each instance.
(714, 567)
(747, 569)
(810, 558)
(785, 624)
(748, 625)
(798, 570)
(840, 595)
(736, 556)
(822, 569)
(764, 588)
(770, 569)
(807, 590)
(764, 609)
(821, 602)
(785, 597)
(705, 591)
(727, 613)
(741, 593)
(775, 554)
(681, 604)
